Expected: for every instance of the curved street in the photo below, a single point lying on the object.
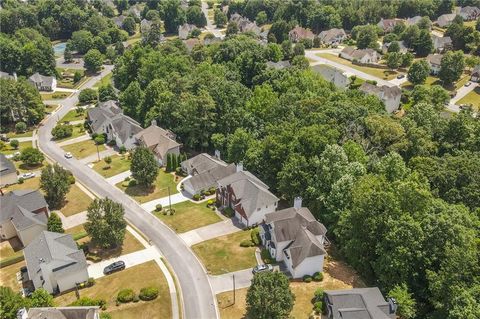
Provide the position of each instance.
(197, 296)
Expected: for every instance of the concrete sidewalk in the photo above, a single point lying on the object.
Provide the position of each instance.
(204, 233)
(118, 178)
(164, 201)
(82, 138)
(94, 157)
(222, 283)
(74, 220)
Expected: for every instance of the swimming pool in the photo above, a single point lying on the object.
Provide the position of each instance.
(59, 48)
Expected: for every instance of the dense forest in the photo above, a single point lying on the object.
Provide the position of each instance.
(399, 196)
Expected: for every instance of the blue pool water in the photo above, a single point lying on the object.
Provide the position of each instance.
(59, 48)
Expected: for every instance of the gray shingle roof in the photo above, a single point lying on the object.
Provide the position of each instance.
(202, 162)
(18, 206)
(383, 92)
(59, 251)
(209, 178)
(158, 140)
(329, 35)
(6, 166)
(358, 303)
(42, 80)
(88, 312)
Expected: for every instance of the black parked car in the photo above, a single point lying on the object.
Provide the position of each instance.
(116, 266)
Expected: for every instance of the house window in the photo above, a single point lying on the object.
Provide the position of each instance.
(258, 209)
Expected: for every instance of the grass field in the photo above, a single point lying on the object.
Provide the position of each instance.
(8, 276)
(472, 98)
(379, 73)
(14, 135)
(73, 115)
(76, 201)
(105, 80)
(189, 216)
(134, 278)
(77, 131)
(83, 149)
(119, 164)
(10, 248)
(224, 254)
(31, 183)
(10, 150)
(49, 108)
(54, 96)
(159, 190)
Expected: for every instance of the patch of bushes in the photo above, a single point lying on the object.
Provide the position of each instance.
(196, 197)
(122, 149)
(20, 127)
(132, 183)
(210, 202)
(71, 178)
(317, 307)
(148, 293)
(266, 257)
(21, 180)
(318, 276)
(228, 212)
(255, 236)
(86, 301)
(158, 207)
(90, 282)
(125, 295)
(246, 243)
(307, 278)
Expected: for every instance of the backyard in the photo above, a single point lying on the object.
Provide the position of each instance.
(8, 275)
(472, 98)
(224, 254)
(119, 164)
(67, 76)
(108, 287)
(144, 194)
(189, 216)
(83, 149)
(384, 74)
(13, 134)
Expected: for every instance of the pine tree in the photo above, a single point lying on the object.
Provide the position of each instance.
(54, 224)
(169, 162)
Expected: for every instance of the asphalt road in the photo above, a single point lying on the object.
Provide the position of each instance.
(198, 298)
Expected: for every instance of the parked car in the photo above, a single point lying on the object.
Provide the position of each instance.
(468, 84)
(27, 175)
(116, 266)
(262, 268)
(4, 138)
(68, 155)
(400, 76)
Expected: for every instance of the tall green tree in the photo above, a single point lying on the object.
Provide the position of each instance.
(131, 99)
(195, 16)
(93, 61)
(418, 72)
(269, 296)
(20, 102)
(451, 67)
(10, 303)
(41, 298)
(54, 181)
(54, 223)
(31, 156)
(406, 304)
(144, 166)
(105, 223)
(173, 15)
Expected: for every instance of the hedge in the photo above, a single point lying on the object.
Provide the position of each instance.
(318, 276)
(125, 295)
(255, 236)
(80, 235)
(11, 260)
(246, 243)
(148, 293)
(307, 278)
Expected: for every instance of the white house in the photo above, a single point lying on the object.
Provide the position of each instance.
(360, 55)
(108, 118)
(339, 78)
(390, 96)
(8, 171)
(434, 60)
(295, 237)
(205, 171)
(184, 30)
(333, 36)
(23, 213)
(160, 141)
(247, 196)
(72, 312)
(55, 263)
(43, 82)
(402, 47)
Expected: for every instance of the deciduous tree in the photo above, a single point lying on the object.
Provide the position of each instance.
(105, 223)
(54, 181)
(144, 167)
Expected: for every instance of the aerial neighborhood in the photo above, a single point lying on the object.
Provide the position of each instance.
(239, 159)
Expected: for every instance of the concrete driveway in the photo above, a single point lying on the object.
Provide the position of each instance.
(204, 233)
(222, 283)
(119, 177)
(461, 92)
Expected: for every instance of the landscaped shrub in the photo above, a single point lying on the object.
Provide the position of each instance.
(71, 178)
(126, 295)
(266, 257)
(148, 293)
(255, 236)
(318, 294)
(20, 127)
(317, 307)
(105, 315)
(86, 301)
(229, 212)
(21, 180)
(132, 182)
(122, 149)
(307, 278)
(196, 197)
(112, 143)
(91, 282)
(210, 202)
(99, 140)
(246, 243)
(318, 276)
(62, 131)
(158, 207)
(127, 179)
(14, 144)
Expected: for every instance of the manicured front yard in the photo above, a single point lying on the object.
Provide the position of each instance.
(120, 163)
(142, 194)
(189, 216)
(13, 135)
(10, 150)
(472, 98)
(8, 276)
(337, 275)
(77, 131)
(83, 149)
(104, 81)
(55, 96)
(384, 74)
(73, 115)
(76, 201)
(67, 76)
(137, 277)
(31, 183)
(224, 254)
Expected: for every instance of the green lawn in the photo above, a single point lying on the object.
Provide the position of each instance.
(76, 201)
(224, 254)
(472, 98)
(119, 164)
(379, 73)
(49, 108)
(8, 276)
(31, 183)
(189, 216)
(73, 115)
(10, 150)
(55, 96)
(83, 149)
(105, 80)
(134, 38)
(22, 168)
(14, 135)
(78, 130)
(159, 190)
(66, 78)
(433, 80)
(137, 277)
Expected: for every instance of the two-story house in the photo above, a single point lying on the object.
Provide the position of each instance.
(360, 55)
(160, 141)
(435, 62)
(332, 37)
(293, 236)
(43, 82)
(247, 196)
(390, 95)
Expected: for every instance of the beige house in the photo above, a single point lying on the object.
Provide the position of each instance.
(160, 141)
(299, 33)
(445, 19)
(184, 30)
(43, 82)
(435, 62)
(333, 36)
(338, 77)
(387, 25)
(390, 96)
(55, 263)
(360, 55)
(23, 213)
(8, 172)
